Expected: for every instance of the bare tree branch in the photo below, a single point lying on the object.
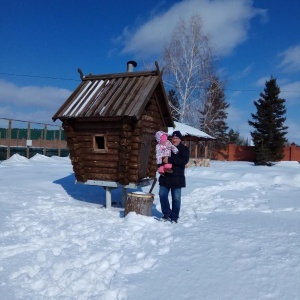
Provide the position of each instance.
(188, 66)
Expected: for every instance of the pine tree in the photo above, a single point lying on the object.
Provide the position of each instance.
(234, 138)
(214, 115)
(268, 122)
(174, 105)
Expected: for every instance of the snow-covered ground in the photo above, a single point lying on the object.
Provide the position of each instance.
(238, 236)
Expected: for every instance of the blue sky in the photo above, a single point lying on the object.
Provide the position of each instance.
(41, 41)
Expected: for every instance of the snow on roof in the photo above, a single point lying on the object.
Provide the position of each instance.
(188, 130)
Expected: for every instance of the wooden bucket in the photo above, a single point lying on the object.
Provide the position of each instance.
(139, 202)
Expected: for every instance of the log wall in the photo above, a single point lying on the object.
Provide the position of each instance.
(88, 164)
(122, 160)
(153, 122)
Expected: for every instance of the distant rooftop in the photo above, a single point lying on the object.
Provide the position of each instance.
(189, 131)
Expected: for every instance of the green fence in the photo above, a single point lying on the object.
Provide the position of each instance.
(35, 134)
(29, 138)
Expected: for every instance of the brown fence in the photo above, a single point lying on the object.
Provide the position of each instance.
(30, 135)
(46, 136)
(36, 143)
(246, 153)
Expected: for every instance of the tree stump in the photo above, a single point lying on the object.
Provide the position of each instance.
(139, 202)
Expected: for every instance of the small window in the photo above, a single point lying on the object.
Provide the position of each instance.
(99, 143)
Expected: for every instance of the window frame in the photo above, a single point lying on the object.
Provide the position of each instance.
(95, 144)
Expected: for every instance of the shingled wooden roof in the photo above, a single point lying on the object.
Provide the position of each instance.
(115, 96)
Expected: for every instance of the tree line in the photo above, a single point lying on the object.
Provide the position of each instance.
(197, 98)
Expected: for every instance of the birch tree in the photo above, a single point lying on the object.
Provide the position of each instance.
(188, 66)
(174, 105)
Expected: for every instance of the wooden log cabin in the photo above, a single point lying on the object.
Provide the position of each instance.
(110, 121)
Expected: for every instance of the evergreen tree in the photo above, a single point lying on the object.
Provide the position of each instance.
(268, 122)
(174, 105)
(234, 138)
(214, 115)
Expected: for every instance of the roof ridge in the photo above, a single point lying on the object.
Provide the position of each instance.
(118, 75)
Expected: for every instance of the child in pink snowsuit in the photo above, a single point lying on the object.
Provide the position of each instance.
(163, 149)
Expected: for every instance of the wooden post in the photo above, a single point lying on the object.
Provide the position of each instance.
(45, 138)
(28, 138)
(54, 145)
(205, 149)
(8, 139)
(108, 197)
(59, 141)
(124, 197)
(41, 138)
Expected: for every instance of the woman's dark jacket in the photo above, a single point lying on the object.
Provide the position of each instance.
(178, 161)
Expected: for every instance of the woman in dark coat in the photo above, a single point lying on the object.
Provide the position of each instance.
(173, 181)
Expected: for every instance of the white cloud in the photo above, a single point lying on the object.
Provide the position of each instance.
(291, 92)
(30, 103)
(235, 115)
(290, 59)
(261, 82)
(238, 120)
(243, 73)
(293, 130)
(219, 16)
(29, 96)
(36, 117)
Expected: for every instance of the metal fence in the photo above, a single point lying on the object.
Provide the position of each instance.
(29, 138)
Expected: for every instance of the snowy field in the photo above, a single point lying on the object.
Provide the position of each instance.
(238, 236)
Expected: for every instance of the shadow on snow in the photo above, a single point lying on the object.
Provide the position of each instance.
(96, 194)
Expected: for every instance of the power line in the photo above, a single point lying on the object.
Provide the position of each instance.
(249, 90)
(1, 118)
(38, 76)
(73, 79)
